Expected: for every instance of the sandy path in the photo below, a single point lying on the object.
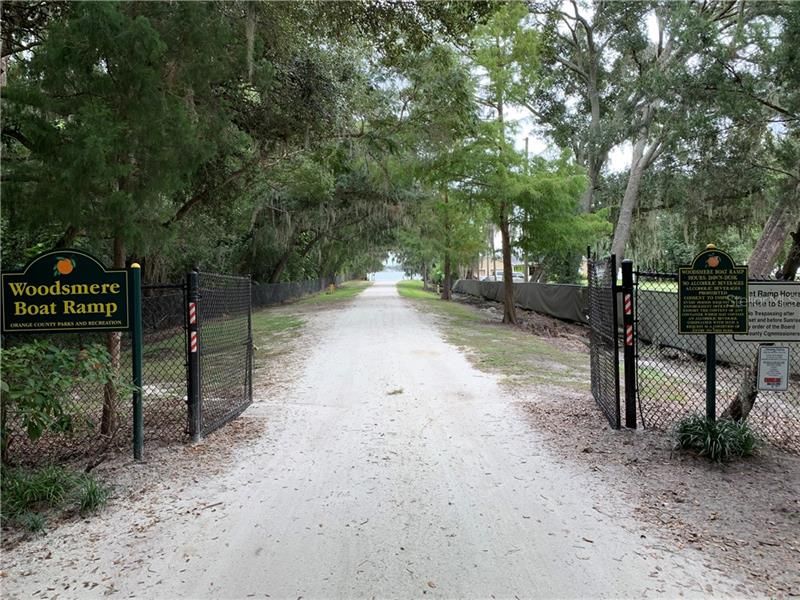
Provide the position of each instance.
(393, 469)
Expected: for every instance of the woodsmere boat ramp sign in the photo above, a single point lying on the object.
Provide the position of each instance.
(62, 291)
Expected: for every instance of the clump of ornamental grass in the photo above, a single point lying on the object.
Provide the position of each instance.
(29, 495)
(719, 441)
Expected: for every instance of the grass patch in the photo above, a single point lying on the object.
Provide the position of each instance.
(414, 289)
(266, 322)
(498, 348)
(658, 285)
(719, 441)
(663, 386)
(346, 291)
(31, 495)
(272, 329)
(92, 496)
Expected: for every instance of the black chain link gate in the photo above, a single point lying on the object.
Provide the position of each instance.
(604, 355)
(225, 348)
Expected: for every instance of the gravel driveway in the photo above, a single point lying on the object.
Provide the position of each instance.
(389, 467)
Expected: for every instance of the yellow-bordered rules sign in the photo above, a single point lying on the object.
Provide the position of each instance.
(712, 295)
(65, 290)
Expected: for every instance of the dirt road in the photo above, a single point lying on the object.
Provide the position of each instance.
(392, 468)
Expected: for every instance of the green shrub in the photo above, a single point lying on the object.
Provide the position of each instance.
(719, 441)
(38, 376)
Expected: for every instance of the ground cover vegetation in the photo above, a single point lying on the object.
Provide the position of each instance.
(512, 352)
(719, 441)
(275, 327)
(31, 497)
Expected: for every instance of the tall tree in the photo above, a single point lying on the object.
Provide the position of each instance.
(505, 54)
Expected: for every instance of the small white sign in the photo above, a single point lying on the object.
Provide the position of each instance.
(773, 368)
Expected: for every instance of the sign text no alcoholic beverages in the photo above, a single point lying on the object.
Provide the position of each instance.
(712, 295)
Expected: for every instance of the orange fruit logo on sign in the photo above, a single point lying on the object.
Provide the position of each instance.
(64, 266)
(713, 261)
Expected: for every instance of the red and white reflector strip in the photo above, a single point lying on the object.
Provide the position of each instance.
(629, 335)
(628, 304)
(193, 343)
(192, 313)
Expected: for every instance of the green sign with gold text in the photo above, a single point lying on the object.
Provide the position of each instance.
(62, 291)
(712, 295)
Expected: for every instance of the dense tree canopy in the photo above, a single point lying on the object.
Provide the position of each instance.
(303, 139)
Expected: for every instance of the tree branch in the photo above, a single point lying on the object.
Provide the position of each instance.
(19, 136)
(794, 176)
(586, 27)
(572, 67)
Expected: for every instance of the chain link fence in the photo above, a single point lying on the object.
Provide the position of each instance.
(163, 362)
(604, 356)
(267, 294)
(91, 417)
(671, 369)
(226, 356)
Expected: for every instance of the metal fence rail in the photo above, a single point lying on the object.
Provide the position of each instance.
(671, 369)
(82, 404)
(604, 354)
(226, 357)
(267, 294)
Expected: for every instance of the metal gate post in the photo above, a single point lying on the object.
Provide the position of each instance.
(629, 349)
(136, 360)
(250, 357)
(615, 317)
(193, 358)
(711, 377)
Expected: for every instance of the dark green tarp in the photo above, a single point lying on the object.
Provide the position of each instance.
(566, 302)
(657, 314)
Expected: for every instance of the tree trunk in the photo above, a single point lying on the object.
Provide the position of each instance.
(595, 157)
(109, 421)
(447, 278)
(742, 404)
(66, 240)
(740, 407)
(770, 243)
(622, 232)
(445, 295)
(250, 36)
(593, 166)
(509, 312)
(793, 258)
(643, 156)
(280, 267)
